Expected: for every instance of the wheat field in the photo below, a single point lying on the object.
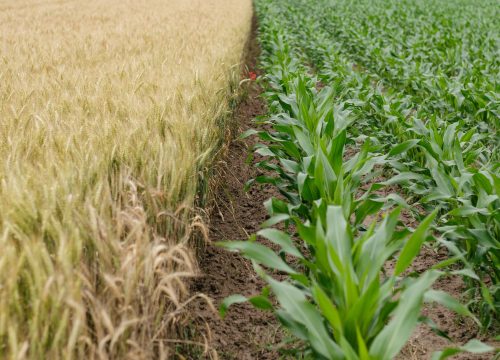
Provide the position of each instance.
(111, 112)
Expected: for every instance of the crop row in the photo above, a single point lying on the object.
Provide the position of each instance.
(341, 295)
(445, 165)
(443, 55)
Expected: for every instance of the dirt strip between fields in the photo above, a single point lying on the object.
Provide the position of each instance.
(245, 333)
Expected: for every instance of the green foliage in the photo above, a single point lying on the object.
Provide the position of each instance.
(340, 268)
(442, 153)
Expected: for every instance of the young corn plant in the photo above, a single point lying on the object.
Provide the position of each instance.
(336, 300)
(468, 199)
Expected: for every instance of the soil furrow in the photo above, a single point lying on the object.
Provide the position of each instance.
(245, 333)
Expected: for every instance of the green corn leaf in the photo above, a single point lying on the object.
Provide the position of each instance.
(393, 336)
(367, 207)
(449, 136)
(473, 346)
(248, 133)
(300, 310)
(448, 301)
(403, 178)
(362, 348)
(443, 181)
(230, 300)
(329, 311)
(483, 182)
(290, 165)
(412, 246)
(265, 151)
(304, 140)
(259, 253)
(403, 147)
(337, 233)
(377, 248)
(275, 219)
(259, 301)
(337, 151)
(282, 239)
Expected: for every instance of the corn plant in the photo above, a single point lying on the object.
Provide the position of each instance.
(335, 300)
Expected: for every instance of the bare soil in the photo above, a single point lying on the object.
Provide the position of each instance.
(245, 333)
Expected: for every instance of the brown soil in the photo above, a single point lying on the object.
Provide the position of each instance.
(245, 333)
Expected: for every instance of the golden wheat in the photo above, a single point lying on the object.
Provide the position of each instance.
(110, 113)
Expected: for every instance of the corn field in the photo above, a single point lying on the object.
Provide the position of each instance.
(377, 108)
